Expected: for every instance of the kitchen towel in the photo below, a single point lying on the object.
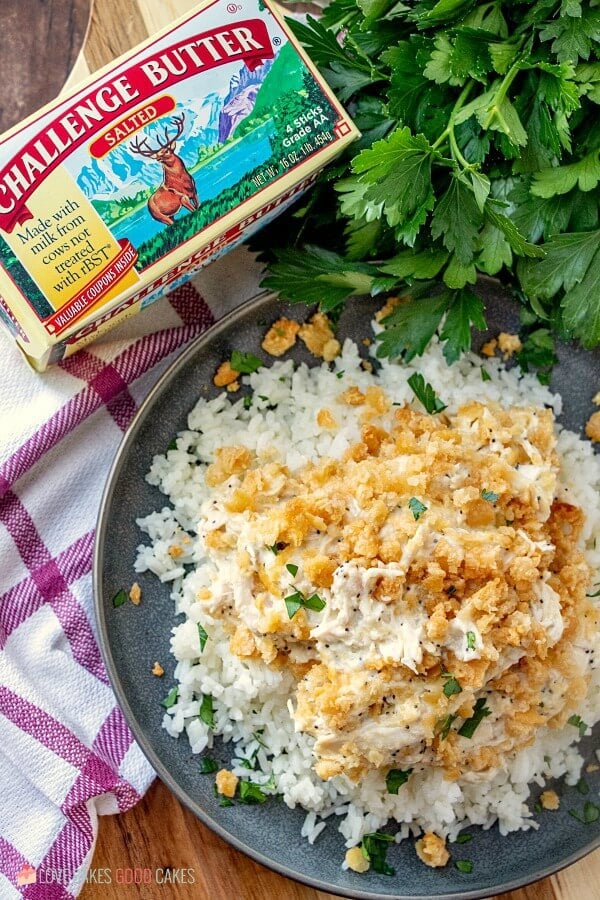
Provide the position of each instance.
(66, 753)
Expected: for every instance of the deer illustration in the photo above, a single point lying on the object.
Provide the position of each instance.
(178, 188)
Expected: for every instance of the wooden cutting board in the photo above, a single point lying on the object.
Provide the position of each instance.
(159, 832)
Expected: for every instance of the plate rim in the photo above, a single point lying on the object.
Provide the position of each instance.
(160, 769)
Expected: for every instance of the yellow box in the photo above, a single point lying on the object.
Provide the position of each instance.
(170, 156)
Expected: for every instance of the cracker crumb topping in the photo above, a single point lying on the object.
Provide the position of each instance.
(356, 860)
(225, 375)
(592, 428)
(226, 783)
(549, 800)
(431, 849)
(280, 337)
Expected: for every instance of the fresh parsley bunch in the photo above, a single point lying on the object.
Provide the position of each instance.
(479, 154)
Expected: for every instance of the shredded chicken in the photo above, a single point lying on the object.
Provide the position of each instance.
(426, 586)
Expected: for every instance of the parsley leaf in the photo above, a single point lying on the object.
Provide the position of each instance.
(562, 179)
(452, 687)
(457, 219)
(171, 698)
(443, 726)
(479, 152)
(208, 765)
(411, 325)
(471, 644)
(249, 792)
(417, 508)
(292, 569)
(244, 363)
(591, 813)
(464, 865)
(298, 601)
(207, 713)
(119, 599)
(466, 312)
(396, 173)
(425, 393)
(577, 722)
(374, 849)
(395, 778)
(202, 637)
(314, 275)
(582, 787)
(490, 496)
(469, 726)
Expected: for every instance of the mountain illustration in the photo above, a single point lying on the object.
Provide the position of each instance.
(210, 120)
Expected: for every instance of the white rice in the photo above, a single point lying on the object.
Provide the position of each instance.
(250, 698)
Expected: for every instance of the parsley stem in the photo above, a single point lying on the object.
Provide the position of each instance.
(457, 106)
(456, 152)
(494, 108)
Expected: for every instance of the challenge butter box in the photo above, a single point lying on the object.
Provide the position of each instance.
(165, 159)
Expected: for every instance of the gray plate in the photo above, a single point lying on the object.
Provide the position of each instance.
(132, 638)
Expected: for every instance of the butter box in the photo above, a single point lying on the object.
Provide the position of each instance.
(159, 163)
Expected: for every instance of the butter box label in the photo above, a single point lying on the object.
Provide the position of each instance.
(162, 156)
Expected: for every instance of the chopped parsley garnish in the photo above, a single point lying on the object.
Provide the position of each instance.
(207, 713)
(250, 792)
(245, 363)
(292, 569)
(172, 444)
(470, 640)
(269, 785)
(442, 727)
(202, 637)
(339, 374)
(297, 600)
(485, 375)
(262, 397)
(464, 838)
(223, 800)
(425, 393)
(247, 402)
(464, 865)
(248, 763)
(278, 547)
(417, 508)
(395, 778)
(577, 722)
(171, 698)
(582, 787)
(119, 599)
(208, 765)
(490, 496)
(591, 813)
(537, 806)
(469, 726)
(452, 686)
(257, 735)
(315, 603)
(374, 849)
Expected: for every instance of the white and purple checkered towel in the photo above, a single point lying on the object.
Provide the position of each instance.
(66, 753)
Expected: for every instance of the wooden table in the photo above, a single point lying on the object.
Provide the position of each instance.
(159, 832)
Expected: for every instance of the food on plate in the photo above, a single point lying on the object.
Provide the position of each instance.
(386, 581)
